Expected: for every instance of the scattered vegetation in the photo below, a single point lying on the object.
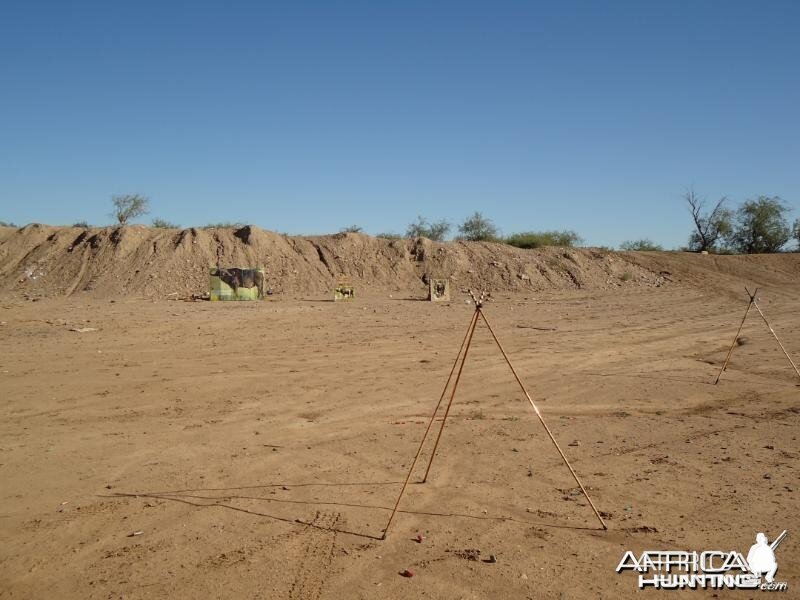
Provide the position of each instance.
(761, 226)
(538, 239)
(757, 226)
(163, 224)
(710, 227)
(796, 233)
(222, 225)
(433, 231)
(7, 224)
(641, 245)
(129, 206)
(477, 228)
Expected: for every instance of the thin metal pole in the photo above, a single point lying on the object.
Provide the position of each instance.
(541, 419)
(452, 395)
(794, 366)
(736, 337)
(446, 385)
(464, 343)
(449, 379)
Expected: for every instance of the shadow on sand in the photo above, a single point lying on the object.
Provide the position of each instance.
(200, 498)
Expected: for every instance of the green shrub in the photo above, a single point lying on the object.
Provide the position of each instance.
(761, 226)
(433, 231)
(389, 236)
(163, 224)
(641, 245)
(796, 233)
(477, 228)
(537, 239)
(223, 225)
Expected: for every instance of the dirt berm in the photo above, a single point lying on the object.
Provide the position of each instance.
(38, 261)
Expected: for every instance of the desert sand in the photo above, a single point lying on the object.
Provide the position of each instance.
(177, 449)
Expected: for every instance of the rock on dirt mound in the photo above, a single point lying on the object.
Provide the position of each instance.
(39, 260)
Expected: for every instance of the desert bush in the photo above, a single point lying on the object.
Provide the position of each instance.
(82, 224)
(163, 224)
(433, 231)
(389, 236)
(7, 224)
(129, 206)
(537, 239)
(351, 229)
(477, 228)
(796, 233)
(222, 225)
(761, 226)
(640, 245)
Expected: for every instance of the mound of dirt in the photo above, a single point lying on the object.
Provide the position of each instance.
(38, 261)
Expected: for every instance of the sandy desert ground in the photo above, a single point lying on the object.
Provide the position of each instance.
(213, 428)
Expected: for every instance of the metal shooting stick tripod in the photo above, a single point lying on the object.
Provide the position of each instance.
(754, 302)
(457, 369)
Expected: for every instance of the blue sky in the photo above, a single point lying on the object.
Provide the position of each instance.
(306, 117)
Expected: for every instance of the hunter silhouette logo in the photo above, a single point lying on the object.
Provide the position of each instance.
(761, 558)
(710, 569)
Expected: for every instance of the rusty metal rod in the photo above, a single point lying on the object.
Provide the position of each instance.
(467, 337)
(736, 337)
(541, 420)
(444, 391)
(452, 395)
(794, 366)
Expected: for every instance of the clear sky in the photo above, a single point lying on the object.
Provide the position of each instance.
(305, 117)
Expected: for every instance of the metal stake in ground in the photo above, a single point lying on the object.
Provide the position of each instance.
(736, 337)
(464, 344)
(794, 366)
(541, 420)
(478, 303)
(754, 302)
(452, 395)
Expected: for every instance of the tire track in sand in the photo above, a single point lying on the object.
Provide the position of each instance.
(315, 557)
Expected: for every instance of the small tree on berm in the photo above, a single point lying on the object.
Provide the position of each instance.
(129, 206)
(477, 228)
(433, 231)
